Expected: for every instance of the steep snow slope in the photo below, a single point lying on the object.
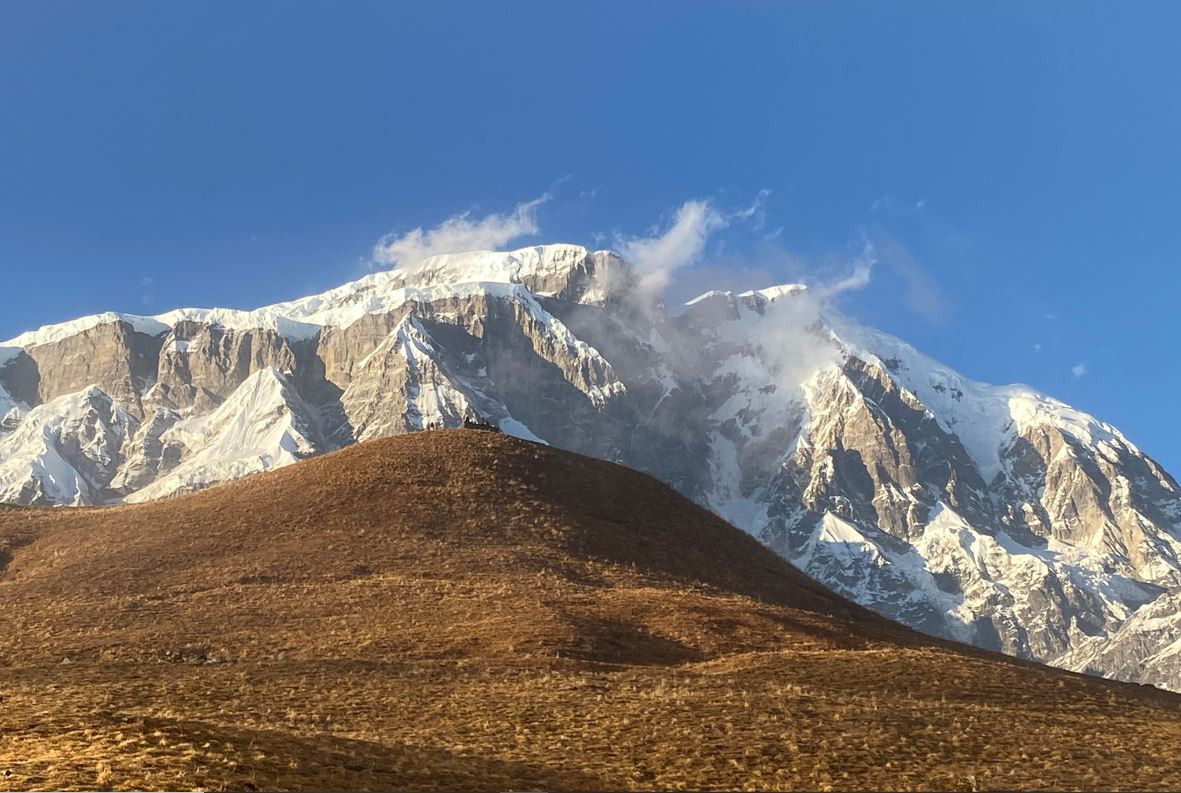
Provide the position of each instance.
(264, 424)
(986, 418)
(65, 451)
(11, 412)
(1145, 648)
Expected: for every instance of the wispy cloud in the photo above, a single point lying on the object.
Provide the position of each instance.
(756, 212)
(682, 242)
(459, 233)
(922, 296)
(147, 295)
(1079, 370)
(656, 257)
(858, 278)
(897, 206)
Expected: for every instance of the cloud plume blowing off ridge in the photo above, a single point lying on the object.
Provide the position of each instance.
(790, 337)
(657, 257)
(791, 348)
(458, 234)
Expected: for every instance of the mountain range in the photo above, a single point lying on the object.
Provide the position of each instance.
(993, 515)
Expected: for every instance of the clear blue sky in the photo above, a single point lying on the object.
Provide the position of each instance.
(1017, 167)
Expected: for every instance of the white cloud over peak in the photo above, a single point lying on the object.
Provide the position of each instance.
(459, 233)
(857, 279)
(655, 258)
(1079, 369)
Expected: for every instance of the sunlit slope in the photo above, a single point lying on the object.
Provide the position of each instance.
(468, 610)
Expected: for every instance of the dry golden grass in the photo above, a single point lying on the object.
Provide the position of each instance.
(462, 610)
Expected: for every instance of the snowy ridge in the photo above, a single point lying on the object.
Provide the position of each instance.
(438, 277)
(526, 266)
(767, 293)
(710, 295)
(772, 293)
(48, 334)
(985, 417)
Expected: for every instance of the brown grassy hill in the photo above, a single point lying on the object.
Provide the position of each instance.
(461, 610)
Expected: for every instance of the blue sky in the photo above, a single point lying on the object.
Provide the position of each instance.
(1016, 168)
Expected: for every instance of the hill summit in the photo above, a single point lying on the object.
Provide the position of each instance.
(467, 610)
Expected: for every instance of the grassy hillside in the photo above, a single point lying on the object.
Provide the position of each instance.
(460, 609)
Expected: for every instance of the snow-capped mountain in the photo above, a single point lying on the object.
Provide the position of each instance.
(993, 515)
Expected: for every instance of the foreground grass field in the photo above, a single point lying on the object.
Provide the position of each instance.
(462, 610)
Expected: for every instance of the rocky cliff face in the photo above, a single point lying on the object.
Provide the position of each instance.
(993, 515)
(112, 356)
